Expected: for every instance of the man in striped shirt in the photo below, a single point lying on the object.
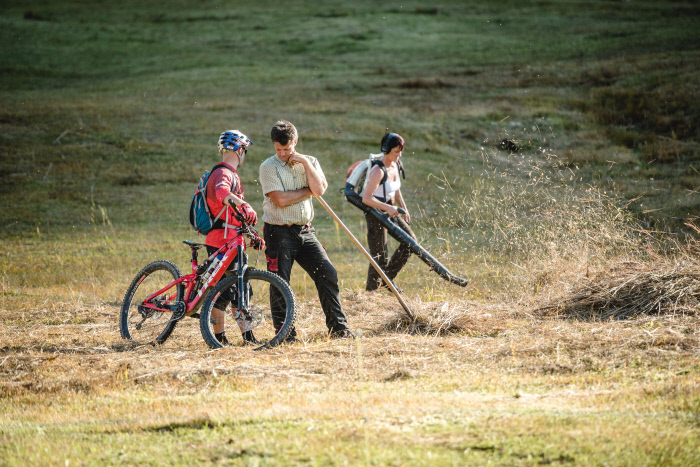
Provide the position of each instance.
(290, 181)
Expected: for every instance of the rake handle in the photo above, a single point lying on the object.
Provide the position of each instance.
(374, 264)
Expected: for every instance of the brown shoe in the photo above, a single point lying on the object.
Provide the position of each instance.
(343, 334)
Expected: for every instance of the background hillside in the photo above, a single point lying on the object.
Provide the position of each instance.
(547, 142)
(110, 114)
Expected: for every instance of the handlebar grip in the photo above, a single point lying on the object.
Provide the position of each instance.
(238, 214)
(401, 210)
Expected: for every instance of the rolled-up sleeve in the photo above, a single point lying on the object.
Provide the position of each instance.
(223, 185)
(317, 166)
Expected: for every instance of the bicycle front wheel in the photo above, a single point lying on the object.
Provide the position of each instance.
(262, 287)
(144, 324)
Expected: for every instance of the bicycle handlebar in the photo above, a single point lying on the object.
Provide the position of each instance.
(246, 228)
(238, 215)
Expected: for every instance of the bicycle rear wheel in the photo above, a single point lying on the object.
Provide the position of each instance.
(146, 325)
(257, 318)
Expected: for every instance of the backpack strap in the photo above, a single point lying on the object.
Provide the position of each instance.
(216, 222)
(383, 167)
(385, 177)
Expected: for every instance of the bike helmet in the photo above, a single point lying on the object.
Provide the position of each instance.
(232, 140)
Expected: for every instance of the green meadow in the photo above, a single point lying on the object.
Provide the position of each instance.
(547, 142)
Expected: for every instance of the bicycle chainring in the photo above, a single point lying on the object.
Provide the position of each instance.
(180, 311)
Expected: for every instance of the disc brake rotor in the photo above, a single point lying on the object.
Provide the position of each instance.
(250, 319)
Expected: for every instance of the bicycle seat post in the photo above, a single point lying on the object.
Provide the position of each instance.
(195, 262)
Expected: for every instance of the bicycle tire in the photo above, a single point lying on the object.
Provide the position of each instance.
(259, 283)
(159, 326)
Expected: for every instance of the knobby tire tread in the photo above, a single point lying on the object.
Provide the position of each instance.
(148, 270)
(250, 274)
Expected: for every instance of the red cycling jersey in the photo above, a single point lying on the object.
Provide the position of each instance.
(221, 183)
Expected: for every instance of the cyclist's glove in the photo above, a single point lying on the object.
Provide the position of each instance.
(250, 215)
(257, 243)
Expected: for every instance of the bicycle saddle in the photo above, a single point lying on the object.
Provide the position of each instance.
(194, 246)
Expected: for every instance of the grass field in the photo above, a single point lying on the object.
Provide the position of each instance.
(109, 114)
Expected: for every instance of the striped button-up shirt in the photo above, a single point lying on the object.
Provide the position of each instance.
(276, 175)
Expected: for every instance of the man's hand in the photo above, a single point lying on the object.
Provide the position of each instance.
(317, 183)
(257, 243)
(297, 158)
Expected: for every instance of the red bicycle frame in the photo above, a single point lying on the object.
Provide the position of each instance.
(192, 300)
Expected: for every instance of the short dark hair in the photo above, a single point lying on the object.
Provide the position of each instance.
(283, 132)
(393, 141)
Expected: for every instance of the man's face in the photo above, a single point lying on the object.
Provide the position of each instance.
(284, 152)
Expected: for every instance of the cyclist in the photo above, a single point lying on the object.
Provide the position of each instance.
(224, 189)
(383, 196)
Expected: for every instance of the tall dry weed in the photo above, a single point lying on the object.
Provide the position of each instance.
(532, 221)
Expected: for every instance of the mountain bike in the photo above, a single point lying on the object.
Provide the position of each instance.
(160, 296)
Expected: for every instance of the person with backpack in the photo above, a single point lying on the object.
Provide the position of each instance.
(383, 191)
(289, 182)
(223, 190)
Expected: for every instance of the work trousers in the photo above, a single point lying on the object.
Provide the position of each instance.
(377, 242)
(286, 244)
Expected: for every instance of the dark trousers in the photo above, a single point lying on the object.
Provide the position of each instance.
(231, 294)
(287, 244)
(377, 242)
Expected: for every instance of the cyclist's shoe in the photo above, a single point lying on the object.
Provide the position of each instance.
(221, 337)
(249, 338)
(342, 334)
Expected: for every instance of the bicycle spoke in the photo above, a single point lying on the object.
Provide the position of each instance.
(257, 319)
(153, 278)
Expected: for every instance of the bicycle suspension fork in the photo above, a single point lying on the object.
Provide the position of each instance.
(243, 295)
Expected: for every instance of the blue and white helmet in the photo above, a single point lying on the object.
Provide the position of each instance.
(232, 140)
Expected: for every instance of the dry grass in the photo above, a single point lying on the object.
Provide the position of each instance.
(479, 377)
(466, 377)
(50, 354)
(660, 276)
(631, 289)
(539, 228)
(492, 351)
